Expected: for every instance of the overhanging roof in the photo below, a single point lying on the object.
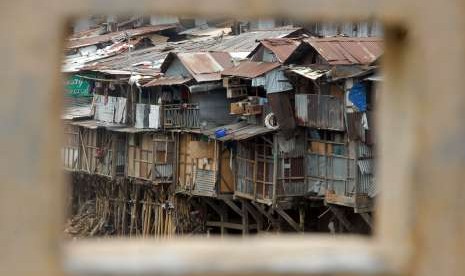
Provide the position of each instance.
(168, 80)
(348, 50)
(250, 69)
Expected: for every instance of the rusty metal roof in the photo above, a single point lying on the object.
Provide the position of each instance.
(281, 47)
(348, 50)
(203, 66)
(250, 69)
(169, 80)
(87, 41)
(153, 56)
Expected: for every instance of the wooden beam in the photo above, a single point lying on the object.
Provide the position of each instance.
(218, 209)
(288, 218)
(230, 225)
(263, 211)
(233, 206)
(302, 218)
(341, 217)
(245, 220)
(367, 218)
(255, 214)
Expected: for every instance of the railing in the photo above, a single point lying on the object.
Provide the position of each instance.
(181, 116)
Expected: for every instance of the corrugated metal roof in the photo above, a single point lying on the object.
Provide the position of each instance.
(281, 47)
(87, 41)
(238, 131)
(250, 69)
(246, 42)
(206, 31)
(169, 80)
(348, 50)
(154, 56)
(308, 72)
(203, 66)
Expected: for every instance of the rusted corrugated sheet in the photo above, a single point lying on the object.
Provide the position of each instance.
(348, 50)
(203, 66)
(320, 111)
(87, 41)
(169, 80)
(282, 108)
(355, 129)
(281, 47)
(250, 69)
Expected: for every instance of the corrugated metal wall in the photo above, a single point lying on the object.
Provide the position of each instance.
(320, 111)
(204, 182)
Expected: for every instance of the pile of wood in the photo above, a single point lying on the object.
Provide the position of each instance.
(86, 223)
(126, 208)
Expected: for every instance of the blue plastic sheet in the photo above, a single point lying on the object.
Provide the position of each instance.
(358, 96)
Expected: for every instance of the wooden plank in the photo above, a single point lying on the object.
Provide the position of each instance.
(288, 218)
(367, 218)
(218, 209)
(255, 214)
(230, 225)
(341, 217)
(233, 206)
(245, 220)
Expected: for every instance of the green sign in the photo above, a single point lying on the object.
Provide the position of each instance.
(77, 86)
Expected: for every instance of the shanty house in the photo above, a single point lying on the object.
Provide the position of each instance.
(204, 166)
(191, 90)
(336, 103)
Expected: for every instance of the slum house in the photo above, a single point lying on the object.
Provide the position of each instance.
(192, 99)
(269, 150)
(262, 77)
(336, 105)
(99, 149)
(113, 161)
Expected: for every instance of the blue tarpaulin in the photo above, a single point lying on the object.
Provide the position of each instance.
(358, 96)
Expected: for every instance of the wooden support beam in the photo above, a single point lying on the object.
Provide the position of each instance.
(262, 210)
(218, 209)
(230, 225)
(341, 217)
(233, 206)
(255, 214)
(245, 220)
(302, 218)
(367, 218)
(288, 218)
(224, 219)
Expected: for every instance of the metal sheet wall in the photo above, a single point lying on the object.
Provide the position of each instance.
(320, 111)
(334, 173)
(204, 182)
